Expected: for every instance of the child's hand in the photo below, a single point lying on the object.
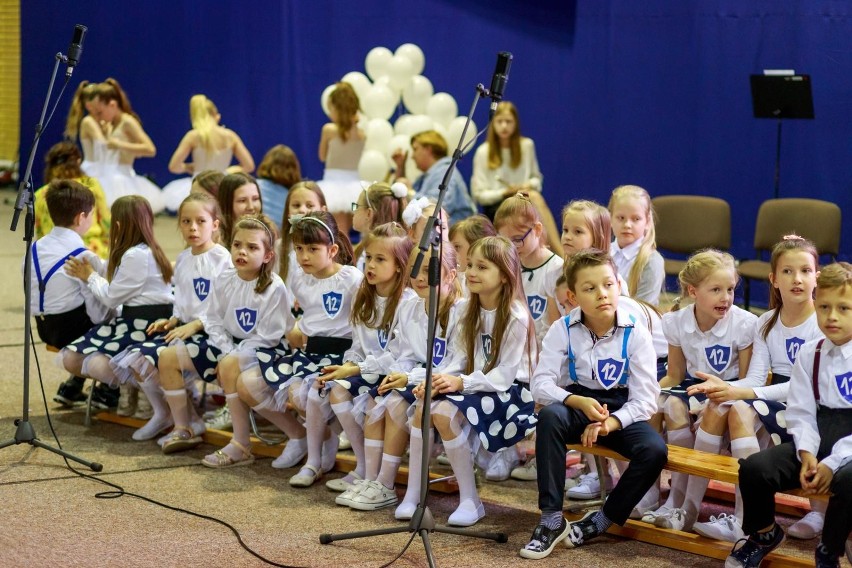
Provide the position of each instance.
(157, 326)
(399, 158)
(393, 381)
(808, 469)
(589, 406)
(296, 338)
(821, 481)
(183, 332)
(445, 384)
(334, 372)
(420, 390)
(81, 269)
(716, 389)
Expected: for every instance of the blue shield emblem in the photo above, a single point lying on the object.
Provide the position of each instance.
(718, 357)
(383, 337)
(609, 371)
(487, 344)
(247, 318)
(844, 386)
(792, 345)
(538, 305)
(331, 303)
(201, 286)
(439, 350)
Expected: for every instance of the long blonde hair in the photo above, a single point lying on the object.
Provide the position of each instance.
(202, 114)
(502, 253)
(82, 95)
(597, 221)
(495, 159)
(520, 210)
(108, 91)
(698, 267)
(365, 306)
(649, 240)
(449, 262)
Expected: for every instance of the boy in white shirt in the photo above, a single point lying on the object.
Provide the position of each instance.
(819, 418)
(63, 306)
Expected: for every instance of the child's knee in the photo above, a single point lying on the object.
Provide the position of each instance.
(841, 485)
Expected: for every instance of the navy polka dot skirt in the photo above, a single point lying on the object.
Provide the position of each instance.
(772, 415)
(112, 338)
(500, 419)
(695, 403)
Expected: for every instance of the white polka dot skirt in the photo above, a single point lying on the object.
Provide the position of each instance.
(500, 419)
(772, 415)
(112, 338)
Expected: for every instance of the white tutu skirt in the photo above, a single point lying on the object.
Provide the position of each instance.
(175, 192)
(120, 179)
(341, 189)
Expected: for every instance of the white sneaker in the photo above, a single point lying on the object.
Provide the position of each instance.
(502, 464)
(341, 484)
(294, 452)
(373, 496)
(651, 516)
(724, 527)
(808, 527)
(221, 420)
(526, 472)
(588, 487)
(675, 519)
(443, 459)
(127, 400)
(345, 498)
(344, 443)
(468, 513)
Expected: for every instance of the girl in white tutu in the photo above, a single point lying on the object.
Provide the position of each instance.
(125, 141)
(341, 145)
(212, 147)
(83, 126)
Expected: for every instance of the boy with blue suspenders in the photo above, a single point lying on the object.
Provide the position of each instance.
(597, 380)
(63, 306)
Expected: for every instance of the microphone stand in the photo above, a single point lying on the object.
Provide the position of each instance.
(422, 522)
(25, 433)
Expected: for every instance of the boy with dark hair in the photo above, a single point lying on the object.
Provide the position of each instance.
(63, 307)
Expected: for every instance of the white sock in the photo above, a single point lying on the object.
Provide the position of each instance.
(354, 431)
(372, 458)
(684, 438)
(176, 399)
(156, 397)
(697, 486)
(285, 421)
(742, 448)
(240, 418)
(461, 460)
(390, 466)
(412, 492)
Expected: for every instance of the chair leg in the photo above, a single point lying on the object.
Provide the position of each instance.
(746, 293)
(88, 420)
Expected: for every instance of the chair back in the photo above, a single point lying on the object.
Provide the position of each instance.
(813, 219)
(688, 223)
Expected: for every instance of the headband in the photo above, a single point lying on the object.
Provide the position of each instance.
(397, 189)
(295, 219)
(262, 224)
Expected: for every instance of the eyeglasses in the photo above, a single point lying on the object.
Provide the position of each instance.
(357, 206)
(519, 241)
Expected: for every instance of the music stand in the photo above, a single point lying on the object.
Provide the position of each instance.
(780, 97)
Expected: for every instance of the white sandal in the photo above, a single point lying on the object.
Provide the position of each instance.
(306, 480)
(220, 460)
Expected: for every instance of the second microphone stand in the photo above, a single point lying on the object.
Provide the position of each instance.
(422, 522)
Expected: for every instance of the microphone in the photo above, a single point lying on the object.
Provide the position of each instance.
(75, 50)
(499, 80)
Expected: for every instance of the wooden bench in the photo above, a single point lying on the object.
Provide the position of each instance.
(693, 462)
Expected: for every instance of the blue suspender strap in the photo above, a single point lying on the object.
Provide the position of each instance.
(572, 367)
(625, 372)
(42, 283)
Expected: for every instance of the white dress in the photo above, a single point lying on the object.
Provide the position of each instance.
(341, 183)
(119, 179)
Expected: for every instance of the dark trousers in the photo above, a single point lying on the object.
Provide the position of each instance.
(777, 469)
(59, 330)
(559, 425)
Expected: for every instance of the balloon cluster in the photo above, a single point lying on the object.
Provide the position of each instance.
(394, 80)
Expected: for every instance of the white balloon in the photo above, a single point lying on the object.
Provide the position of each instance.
(455, 129)
(377, 61)
(401, 124)
(400, 70)
(399, 142)
(379, 102)
(359, 82)
(386, 81)
(442, 108)
(378, 132)
(416, 94)
(414, 54)
(373, 165)
(419, 123)
(324, 99)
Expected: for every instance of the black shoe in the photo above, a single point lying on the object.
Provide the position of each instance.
(104, 398)
(580, 532)
(71, 392)
(752, 552)
(823, 559)
(543, 540)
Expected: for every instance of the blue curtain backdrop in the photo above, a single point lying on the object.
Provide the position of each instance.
(654, 93)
